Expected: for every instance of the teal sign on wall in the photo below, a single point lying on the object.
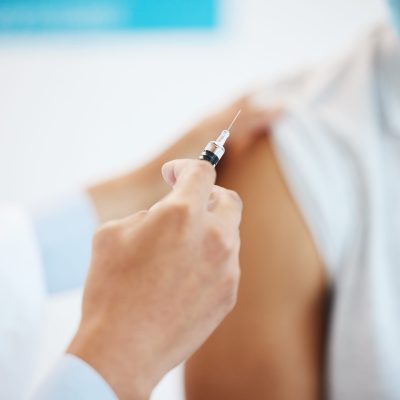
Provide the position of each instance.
(105, 15)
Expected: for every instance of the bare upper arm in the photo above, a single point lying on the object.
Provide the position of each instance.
(271, 346)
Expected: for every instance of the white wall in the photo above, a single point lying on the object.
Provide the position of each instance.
(77, 109)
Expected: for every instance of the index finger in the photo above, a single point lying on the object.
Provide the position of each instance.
(192, 180)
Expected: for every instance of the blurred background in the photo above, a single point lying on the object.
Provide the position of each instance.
(89, 88)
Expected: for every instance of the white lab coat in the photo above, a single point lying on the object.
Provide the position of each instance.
(47, 252)
(22, 295)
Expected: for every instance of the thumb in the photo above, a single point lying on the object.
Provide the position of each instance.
(175, 170)
(192, 180)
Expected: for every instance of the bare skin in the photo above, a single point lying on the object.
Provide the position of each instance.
(271, 346)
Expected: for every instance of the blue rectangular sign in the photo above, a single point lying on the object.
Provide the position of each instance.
(104, 15)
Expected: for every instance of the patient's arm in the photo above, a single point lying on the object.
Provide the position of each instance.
(271, 346)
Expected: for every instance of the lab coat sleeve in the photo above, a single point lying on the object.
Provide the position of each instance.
(73, 379)
(22, 296)
(64, 232)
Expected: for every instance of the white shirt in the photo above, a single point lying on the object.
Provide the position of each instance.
(339, 148)
(50, 251)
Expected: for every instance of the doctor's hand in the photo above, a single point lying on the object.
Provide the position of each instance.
(160, 281)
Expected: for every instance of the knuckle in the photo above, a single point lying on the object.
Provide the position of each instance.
(225, 249)
(107, 235)
(215, 234)
(177, 213)
(181, 210)
(234, 198)
(219, 244)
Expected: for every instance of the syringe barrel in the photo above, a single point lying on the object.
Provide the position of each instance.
(212, 153)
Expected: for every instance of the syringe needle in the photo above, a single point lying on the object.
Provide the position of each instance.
(214, 151)
(234, 120)
(222, 138)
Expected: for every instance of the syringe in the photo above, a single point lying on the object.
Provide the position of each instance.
(215, 150)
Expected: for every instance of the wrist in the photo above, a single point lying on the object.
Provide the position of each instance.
(122, 371)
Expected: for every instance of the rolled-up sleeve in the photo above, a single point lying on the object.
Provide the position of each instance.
(64, 233)
(73, 379)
